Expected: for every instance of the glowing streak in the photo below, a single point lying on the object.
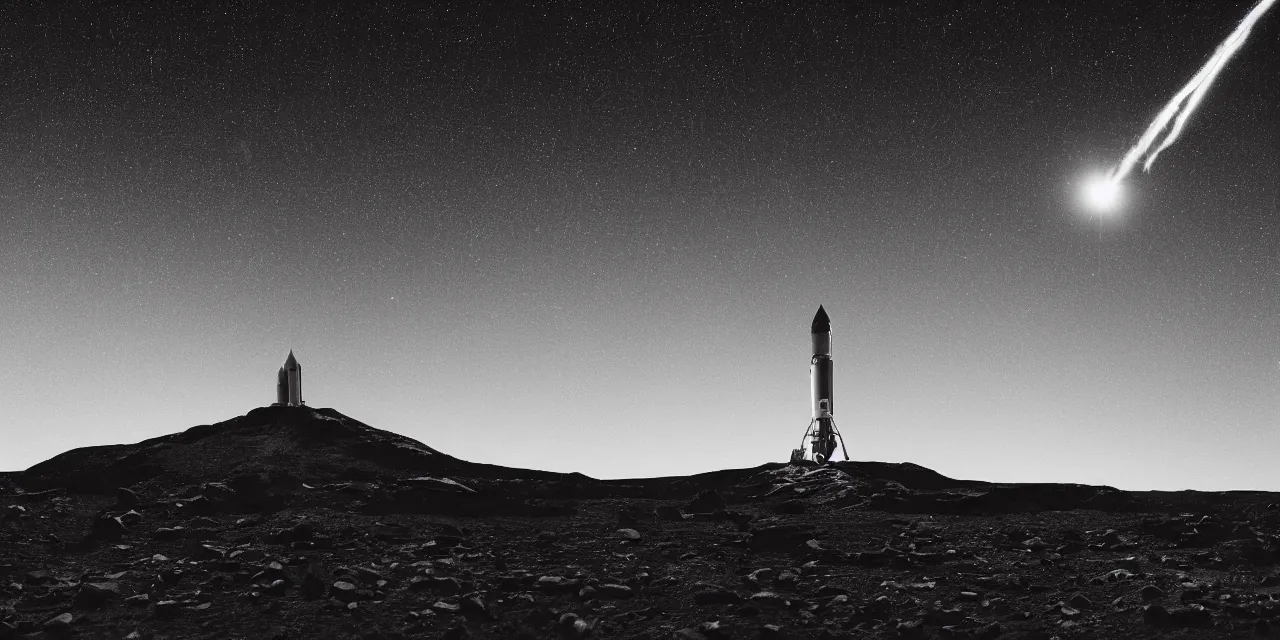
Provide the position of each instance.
(1185, 102)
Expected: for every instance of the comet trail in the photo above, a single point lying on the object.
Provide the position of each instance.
(1185, 102)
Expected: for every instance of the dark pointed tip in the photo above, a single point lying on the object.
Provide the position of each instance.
(821, 323)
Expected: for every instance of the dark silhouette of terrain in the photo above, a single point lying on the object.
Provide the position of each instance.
(293, 522)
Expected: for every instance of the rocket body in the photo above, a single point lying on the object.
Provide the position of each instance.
(282, 387)
(821, 384)
(820, 369)
(294, 372)
(289, 383)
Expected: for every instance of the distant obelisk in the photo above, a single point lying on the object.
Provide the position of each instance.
(289, 383)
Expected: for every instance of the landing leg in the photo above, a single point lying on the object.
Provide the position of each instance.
(824, 443)
(822, 436)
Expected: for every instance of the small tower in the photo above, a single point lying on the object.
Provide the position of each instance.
(289, 383)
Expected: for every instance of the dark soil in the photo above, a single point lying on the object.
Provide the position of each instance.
(303, 523)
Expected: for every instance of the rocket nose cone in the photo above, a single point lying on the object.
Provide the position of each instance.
(821, 323)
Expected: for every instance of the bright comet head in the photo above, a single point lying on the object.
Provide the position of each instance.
(1102, 193)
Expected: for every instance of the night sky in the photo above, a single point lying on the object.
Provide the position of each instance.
(577, 238)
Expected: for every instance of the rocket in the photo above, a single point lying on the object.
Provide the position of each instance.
(822, 425)
(282, 387)
(820, 369)
(289, 383)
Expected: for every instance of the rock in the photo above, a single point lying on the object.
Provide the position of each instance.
(581, 629)
(248, 555)
(108, 528)
(131, 518)
(1156, 616)
(474, 608)
(630, 535)
(95, 595)
(614, 591)
(771, 632)
(989, 632)
(816, 550)
(1079, 601)
(911, 630)
(570, 625)
(169, 533)
(760, 576)
(126, 499)
(716, 597)
(344, 592)
(37, 577)
(167, 609)
(199, 505)
(442, 485)
(1117, 575)
(944, 616)
(1151, 592)
(768, 600)
(836, 601)
(59, 625)
(446, 607)
(705, 502)
(1035, 544)
(669, 513)
(558, 584)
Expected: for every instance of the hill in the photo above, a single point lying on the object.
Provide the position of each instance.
(292, 522)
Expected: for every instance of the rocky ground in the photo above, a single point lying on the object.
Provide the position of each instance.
(301, 523)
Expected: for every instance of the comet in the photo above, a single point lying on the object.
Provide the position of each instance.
(1104, 194)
